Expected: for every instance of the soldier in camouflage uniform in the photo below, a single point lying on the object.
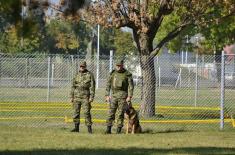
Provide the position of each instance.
(121, 83)
(82, 94)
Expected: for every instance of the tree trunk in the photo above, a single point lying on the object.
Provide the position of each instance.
(144, 44)
(147, 108)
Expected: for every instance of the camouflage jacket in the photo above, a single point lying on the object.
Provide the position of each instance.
(83, 85)
(121, 84)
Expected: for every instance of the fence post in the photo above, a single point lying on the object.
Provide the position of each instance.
(159, 72)
(182, 57)
(111, 61)
(72, 66)
(222, 91)
(159, 77)
(186, 57)
(52, 74)
(26, 78)
(48, 79)
(196, 82)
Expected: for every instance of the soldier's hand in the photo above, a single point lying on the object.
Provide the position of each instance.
(128, 99)
(72, 100)
(108, 98)
(91, 99)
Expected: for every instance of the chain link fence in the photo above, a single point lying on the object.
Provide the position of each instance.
(192, 92)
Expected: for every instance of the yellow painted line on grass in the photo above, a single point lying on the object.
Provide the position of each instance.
(48, 104)
(94, 109)
(36, 104)
(185, 121)
(69, 120)
(35, 107)
(49, 110)
(32, 110)
(12, 110)
(176, 113)
(36, 110)
(16, 118)
(158, 107)
(45, 104)
(189, 108)
(233, 121)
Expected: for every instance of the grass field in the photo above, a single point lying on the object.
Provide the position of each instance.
(35, 141)
(31, 126)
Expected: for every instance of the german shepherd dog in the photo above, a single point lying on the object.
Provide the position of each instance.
(132, 121)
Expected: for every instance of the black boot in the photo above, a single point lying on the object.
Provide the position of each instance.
(76, 129)
(119, 129)
(108, 130)
(89, 129)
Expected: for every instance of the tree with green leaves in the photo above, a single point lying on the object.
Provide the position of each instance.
(146, 18)
(216, 34)
(124, 43)
(10, 12)
(11, 43)
(219, 34)
(20, 27)
(63, 34)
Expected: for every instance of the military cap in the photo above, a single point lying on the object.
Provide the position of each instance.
(83, 63)
(119, 62)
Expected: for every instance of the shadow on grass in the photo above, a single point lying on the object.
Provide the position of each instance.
(127, 151)
(150, 131)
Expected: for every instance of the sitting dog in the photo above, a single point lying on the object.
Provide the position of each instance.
(132, 121)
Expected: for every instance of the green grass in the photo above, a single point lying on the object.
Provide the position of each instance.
(35, 141)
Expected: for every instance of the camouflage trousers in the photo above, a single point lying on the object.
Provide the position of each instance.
(119, 104)
(86, 106)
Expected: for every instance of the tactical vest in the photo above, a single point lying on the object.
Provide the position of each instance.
(120, 80)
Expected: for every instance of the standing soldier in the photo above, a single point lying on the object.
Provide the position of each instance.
(82, 94)
(121, 83)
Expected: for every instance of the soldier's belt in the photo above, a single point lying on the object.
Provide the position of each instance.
(119, 90)
(81, 88)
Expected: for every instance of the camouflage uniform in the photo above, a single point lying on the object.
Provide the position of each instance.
(83, 89)
(121, 84)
